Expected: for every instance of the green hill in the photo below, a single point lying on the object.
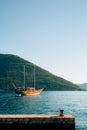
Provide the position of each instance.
(11, 71)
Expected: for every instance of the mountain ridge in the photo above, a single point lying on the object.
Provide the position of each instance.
(12, 71)
(83, 86)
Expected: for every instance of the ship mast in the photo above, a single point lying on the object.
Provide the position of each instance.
(34, 76)
(24, 76)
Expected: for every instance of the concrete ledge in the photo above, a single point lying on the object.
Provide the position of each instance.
(39, 121)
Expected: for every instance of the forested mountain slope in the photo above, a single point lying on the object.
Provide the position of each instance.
(11, 71)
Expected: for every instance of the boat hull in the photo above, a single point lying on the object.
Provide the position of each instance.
(29, 92)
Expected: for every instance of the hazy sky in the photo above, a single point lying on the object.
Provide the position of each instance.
(49, 33)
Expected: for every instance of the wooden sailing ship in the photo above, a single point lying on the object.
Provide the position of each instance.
(31, 91)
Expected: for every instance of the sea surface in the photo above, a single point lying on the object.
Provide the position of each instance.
(49, 102)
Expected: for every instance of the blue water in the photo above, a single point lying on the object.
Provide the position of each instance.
(49, 102)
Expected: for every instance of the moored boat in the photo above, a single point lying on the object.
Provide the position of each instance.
(31, 91)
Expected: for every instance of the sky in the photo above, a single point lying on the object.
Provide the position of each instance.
(49, 33)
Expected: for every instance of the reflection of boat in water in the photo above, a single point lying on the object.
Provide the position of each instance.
(31, 91)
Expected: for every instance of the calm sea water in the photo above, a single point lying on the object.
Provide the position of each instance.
(49, 102)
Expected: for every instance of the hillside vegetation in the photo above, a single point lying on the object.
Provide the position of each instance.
(12, 71)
